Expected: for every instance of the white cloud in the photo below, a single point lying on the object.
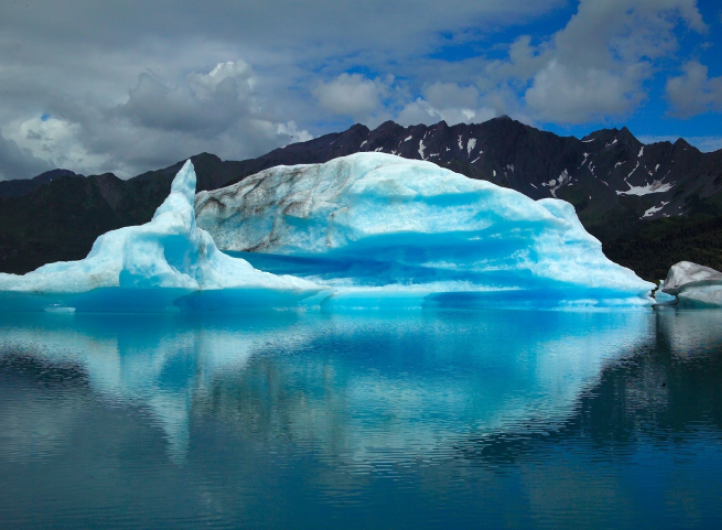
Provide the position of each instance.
(159, 123)
(56, 141)
(446, 101)
(351, 95)
(291, 130)
(79, 69)
(205, 85)
(596, 66)
(298, 59)
(569, 94)
(17, 162)
(694, 92)
(451, 95)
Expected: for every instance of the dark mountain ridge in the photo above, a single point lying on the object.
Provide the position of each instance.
(20, 187)
(649, 204)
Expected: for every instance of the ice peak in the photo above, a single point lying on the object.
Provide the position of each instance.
(182, 191)
(185, 181)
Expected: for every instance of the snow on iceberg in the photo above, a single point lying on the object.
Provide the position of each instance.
(374, 226)
(166, 264)
(693, 284)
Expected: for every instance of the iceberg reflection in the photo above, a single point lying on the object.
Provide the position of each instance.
(358, 388)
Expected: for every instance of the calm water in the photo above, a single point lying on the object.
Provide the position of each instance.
(421, 420)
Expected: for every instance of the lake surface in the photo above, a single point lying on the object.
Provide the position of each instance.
(428, 419)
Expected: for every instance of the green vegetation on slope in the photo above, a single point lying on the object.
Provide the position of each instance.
(659, 244)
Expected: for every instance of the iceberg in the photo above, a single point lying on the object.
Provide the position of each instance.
(379, 229)
(694, 285)
(168, 264)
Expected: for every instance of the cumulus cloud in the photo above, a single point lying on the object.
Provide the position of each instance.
(596, 66)
(80, 61)
(158, 123)
(446, 101)
(134, 86)
(694, 92)
(56, 141)
(599, 61)
(205, 103)
(17, 162)
(569, 94)
(351, 95)
(291, 131)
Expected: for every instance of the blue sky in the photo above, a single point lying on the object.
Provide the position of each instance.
(130, 86)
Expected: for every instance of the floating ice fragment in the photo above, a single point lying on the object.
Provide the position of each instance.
(694, 285)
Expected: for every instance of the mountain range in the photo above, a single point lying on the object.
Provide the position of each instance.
(650, 205)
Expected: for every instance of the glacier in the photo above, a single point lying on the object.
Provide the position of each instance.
(380, 230)
(167, 264)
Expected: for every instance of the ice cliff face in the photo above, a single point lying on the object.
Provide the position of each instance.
(389, 224)
(166, 263)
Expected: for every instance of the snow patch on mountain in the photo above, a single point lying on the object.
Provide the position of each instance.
(470, 145)
(654, 209)
(555, 184)
(656, 186)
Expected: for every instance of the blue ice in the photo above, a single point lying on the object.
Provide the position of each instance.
(168, 264)
(364, 231)
(380, 230)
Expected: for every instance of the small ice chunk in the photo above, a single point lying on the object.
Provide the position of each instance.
(694, 285)
(688, 272)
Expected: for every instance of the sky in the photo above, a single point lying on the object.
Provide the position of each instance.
(129, 86)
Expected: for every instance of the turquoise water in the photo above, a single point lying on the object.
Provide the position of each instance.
(428, 419)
